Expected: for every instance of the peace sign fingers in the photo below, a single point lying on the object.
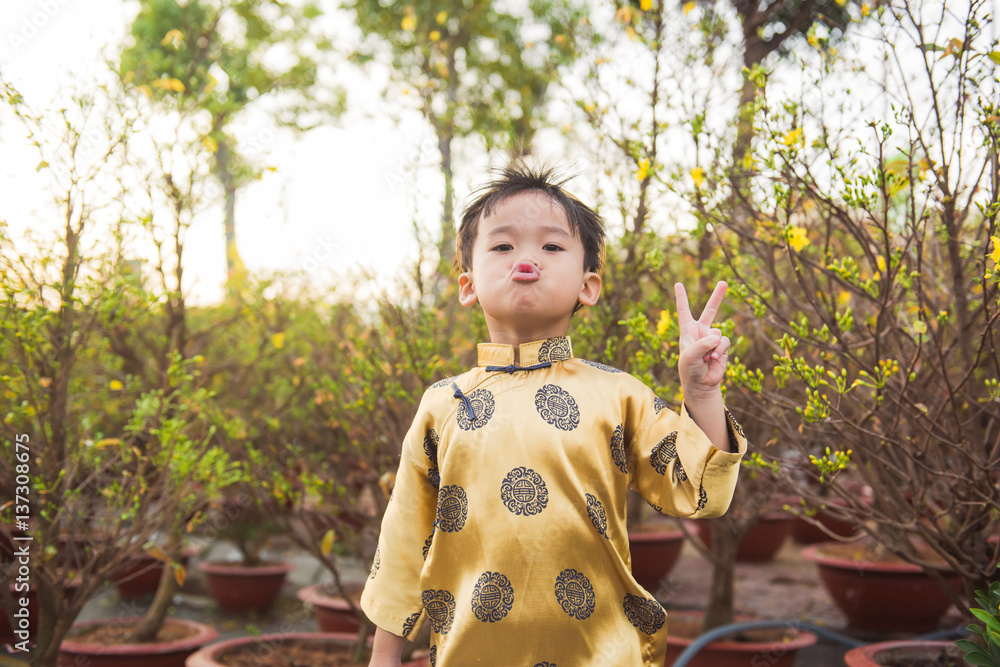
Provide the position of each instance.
(684, 316)
(712, 307)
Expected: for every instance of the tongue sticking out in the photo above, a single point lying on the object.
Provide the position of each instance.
(524, 271)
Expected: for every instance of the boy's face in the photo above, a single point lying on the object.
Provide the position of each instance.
(527, 270)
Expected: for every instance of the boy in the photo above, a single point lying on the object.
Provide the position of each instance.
(506, 527)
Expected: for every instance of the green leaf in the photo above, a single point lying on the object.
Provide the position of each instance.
(969, 646)
(995, 57)
(931, 47)
(41, 165)
(979, 659)
(991, 623)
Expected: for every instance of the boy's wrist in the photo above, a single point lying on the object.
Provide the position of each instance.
(701, 394)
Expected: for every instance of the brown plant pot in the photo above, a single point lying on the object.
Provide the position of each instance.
(73, 653)
(907, 653)
(654, 554)
(805, 532)
(244, 588)
(259, 649)
(332, 611)
(141, 576)
(881, 596)
(761, 542)
(685, 626)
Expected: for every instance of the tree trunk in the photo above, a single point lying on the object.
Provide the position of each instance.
(163, 598)
(720, 599)
(234, 265)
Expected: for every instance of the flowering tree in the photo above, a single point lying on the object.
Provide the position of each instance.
(870, 263)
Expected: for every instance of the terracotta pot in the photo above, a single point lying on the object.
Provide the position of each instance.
(761, 542)
(654, 554)
(160, 654)
(805, 532)
(884, 597)
(243, 588)
(781, 652)
(141, 576)
(332, 611)
(889, 654)
(215, 654)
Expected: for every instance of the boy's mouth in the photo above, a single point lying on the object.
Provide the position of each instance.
(524, 271)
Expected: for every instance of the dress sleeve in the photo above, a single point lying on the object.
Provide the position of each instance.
(674, 465)
(392, 596)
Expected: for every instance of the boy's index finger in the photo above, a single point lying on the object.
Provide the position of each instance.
(684, 315)
(712, 307)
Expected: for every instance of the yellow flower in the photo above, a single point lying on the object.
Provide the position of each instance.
(278, 340)
(866, 9)
(441, 17)
(644, 5)
(995, 253)
(664, 323)
(116, 385)
(792, 137)
(880, 262)
(643, 171)
(173, 37)
(688, 6)
(698, 176)
(797, 238)
(209, 144)
(175, 85)
(409, 23)
(435, 35)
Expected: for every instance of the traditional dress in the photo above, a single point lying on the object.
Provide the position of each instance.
(506, 527)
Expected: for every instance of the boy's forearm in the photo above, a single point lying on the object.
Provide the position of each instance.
(387, 649)
(709, 413)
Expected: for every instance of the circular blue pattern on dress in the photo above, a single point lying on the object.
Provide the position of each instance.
(434, 477)
(483, 407)
(664, 452)
(544, 664)
(618, 448)
(523, 492)
(557, 407)
(643, 613)
(492, 597)
(452, 509)
(603, 367)
(376, 562)
(658, 404)
(702, 499)
(410, 623)
(655, 507)
(431, 442)
(555, 349)
(428, 542)
(679, 473)
(446, 382)
(440, 608)
(597, 515)
(575, 594)
(433, 656)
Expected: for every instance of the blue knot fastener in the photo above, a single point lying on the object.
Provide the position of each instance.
(465, 399)
(510, 369)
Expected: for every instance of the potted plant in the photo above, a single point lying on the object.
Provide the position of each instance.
(985, 650)
(110, 467)
(878, 289)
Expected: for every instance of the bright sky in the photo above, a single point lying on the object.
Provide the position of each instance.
(334, 188)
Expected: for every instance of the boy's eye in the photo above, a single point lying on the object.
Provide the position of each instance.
(503, 247)
(552, 247)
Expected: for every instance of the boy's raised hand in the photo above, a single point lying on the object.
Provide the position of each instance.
(703, 349)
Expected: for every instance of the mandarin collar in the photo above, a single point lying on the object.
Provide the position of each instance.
(535, 352)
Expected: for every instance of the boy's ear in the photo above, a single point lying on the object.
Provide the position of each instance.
(466, 290)
(591, 290)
